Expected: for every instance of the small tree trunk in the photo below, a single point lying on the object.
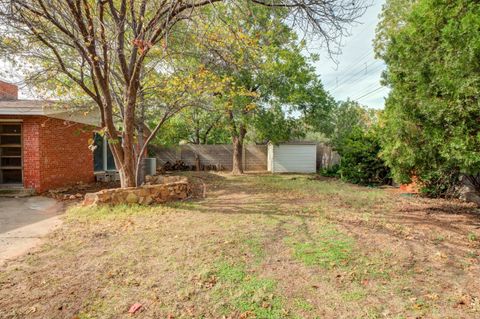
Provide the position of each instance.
(197, 136)
(237, 141)
(140, 169)
(237, 156)
(141, 164)
(198, 165)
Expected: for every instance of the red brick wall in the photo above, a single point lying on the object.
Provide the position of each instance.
(31, 152)
(55, 153)
(8, 91)
(65, 157)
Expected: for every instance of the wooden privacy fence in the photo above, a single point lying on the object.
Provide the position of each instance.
(326, 156)
(220, 156)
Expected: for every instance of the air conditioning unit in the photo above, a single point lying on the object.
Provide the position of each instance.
(150, 166)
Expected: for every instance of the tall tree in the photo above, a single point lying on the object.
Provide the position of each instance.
(104, 48)
(195, 125)
(259, 59)
(346, 117)
(431, 120)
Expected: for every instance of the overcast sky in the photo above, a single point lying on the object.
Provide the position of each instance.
(357, 75)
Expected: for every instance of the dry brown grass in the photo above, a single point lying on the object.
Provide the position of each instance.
(257, 247)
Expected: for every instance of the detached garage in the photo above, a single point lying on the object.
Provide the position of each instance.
(292, 157)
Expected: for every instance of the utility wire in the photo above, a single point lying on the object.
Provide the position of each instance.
(347, 70)
(364, 71)
(369, 93)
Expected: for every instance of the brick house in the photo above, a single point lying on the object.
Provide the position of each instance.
(42, 146)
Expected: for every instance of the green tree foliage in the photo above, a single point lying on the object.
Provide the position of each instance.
(106, 50)
(345, 117)
(272, 125)
(431, 123)
(258, 62)
(355, 136)
(195, 125)
(360, 158)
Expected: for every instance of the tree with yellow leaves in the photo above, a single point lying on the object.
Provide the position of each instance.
(105, 50)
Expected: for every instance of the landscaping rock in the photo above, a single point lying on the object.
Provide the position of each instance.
(131, 198)
(171, 188)
(468, 191)
(471, 198)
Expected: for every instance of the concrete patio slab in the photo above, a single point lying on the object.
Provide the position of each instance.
(23, 223)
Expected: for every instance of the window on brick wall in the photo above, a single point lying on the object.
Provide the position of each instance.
(102, 155)
(11, 169)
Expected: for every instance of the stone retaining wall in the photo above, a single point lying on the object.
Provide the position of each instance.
(175, 188)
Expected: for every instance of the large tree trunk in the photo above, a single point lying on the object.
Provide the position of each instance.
(129, 158)
(127, 177)
(128, 172)
(237, 141)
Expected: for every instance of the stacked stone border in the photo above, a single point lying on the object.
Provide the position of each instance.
(174, 188)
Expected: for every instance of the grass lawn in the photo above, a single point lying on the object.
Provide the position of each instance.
(257, 246)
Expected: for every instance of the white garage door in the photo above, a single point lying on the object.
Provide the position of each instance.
(294, 159)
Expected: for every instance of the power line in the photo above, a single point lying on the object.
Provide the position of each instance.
(348, 69)
(364, 89)
(369, 93)
(363, 55)
(364, 71)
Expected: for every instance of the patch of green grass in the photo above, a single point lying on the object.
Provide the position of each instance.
(354, 295)
(438, 239)
(255, 246)
(472, 237)
(298, 184)
(84, 213)
(372, 313)
(330, 249)
(373, 266)
(230, 273)
(246, 293)
(303, 304)
(92, 307)
(186, 205)
(472, 254)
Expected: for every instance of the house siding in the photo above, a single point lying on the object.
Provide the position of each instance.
(55, 152)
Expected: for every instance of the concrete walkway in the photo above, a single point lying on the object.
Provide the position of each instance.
(23, 223)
